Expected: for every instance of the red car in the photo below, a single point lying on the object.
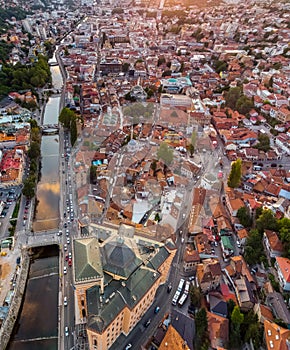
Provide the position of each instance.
(69, 262)
(66, 257)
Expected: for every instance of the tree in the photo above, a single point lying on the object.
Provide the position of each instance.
(201, 339)
(264, 143)
(244, 217)
(190, 148)
(28, 188)
(254, 250)
(195, 296)
(232, 97)
(244, 105)
(235, 174)
(165, 153)
(267, 221)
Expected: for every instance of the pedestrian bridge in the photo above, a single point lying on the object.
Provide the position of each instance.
(43, 238)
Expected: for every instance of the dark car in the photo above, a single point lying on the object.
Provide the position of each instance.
(169, 288)
(156, 309)
(147, 323)
(273, 165)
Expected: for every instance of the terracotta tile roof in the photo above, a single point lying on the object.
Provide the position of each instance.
(218, 328)
(274, 240)
(173, 340)
(276, 337)
(284, 265)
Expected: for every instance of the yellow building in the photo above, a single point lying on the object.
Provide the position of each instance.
(116, 281)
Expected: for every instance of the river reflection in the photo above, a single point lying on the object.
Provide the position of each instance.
(48, 189)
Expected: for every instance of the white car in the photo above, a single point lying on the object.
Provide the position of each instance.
(65, 301)
(69, 255)
(67, 233)
(65, 247)
(68, 240)
(66, 331)
(64, 270)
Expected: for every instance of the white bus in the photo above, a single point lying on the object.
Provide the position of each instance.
(182, 299)
(181, 283)
(186, 289)
(175, 298)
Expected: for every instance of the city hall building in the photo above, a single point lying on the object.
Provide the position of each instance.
(116, 278)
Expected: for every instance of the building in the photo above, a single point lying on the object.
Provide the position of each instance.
(276, 337)
(283, 270)
(167, 100)
(272, 244)
(116, 282)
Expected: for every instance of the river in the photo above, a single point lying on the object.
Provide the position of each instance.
(36, 327)
(48, 188)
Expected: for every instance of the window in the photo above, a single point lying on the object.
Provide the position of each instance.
(95, 342)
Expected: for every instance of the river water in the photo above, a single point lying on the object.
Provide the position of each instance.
(36, 327)
(48, 188)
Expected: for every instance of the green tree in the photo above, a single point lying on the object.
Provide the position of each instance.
(267, 221)
(264, 143)
(244, 105)
(232, 97)
(190, 149)
(254, 249)
(34, 150)
(28, 189)
(165, 153)
(201, 324)
(244, 217)
(195, 296)
(235, 174)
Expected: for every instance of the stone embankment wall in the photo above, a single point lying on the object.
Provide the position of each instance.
(8, 324)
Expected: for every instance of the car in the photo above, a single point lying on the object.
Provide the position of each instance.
(157, 309)
(59, 233)
(64, 215)
(128, 346)
(65, 247)
(169, 288)
(273, 165)
(67, 233)
(238, 244)
(66, 331)
(216, 244)
(68, 240)
(65, 301)
(65, 225)
(24, 222)
(147, 323)
(69, 255)
(65, 270)
(66, 257)
(69, 262)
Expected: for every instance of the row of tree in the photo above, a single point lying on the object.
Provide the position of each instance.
(68, 119)
(33, 154)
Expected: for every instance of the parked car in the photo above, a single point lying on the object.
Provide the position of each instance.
(65, 270)
(65, 301)
(66, 331)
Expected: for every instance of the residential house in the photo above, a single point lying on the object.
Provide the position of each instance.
(277, 304)
(234, 205)
(190, 260)
(218, 328)
(263, 312)
(217, 304)
(209, 275)
(272, 244)
(244, 293)
(276, 337)
(283, 270)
